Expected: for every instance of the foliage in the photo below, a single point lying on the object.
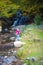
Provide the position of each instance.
(29, 62)
(38, 20)
(9, 7)
(33, 46)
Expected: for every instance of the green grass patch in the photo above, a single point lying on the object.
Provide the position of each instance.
(33, 37)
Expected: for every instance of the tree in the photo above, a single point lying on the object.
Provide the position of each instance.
(9, 7)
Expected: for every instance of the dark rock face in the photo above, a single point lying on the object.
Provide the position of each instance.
(6, 23)
(20, 19)
(15, 20)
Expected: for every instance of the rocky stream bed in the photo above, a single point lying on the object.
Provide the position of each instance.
(7, 49)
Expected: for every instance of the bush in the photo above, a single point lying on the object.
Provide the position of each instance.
(38, 20)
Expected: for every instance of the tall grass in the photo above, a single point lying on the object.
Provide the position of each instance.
(34, 45)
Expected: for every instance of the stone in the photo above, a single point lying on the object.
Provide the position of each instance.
(5, 56)
(14, 51)
(12, 38)
(18, 43)
(33, 58)
(1, 63)
(9, 52)
(3, 40)
(9, 60)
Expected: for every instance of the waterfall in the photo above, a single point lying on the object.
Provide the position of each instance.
(15, 23)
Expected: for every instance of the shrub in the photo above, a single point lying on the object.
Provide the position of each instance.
(38, 19)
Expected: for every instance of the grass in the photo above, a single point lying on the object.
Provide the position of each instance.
(33, 37)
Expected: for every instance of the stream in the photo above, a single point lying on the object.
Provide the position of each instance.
(7, 50)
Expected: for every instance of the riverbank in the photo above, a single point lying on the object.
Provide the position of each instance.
(32, 35)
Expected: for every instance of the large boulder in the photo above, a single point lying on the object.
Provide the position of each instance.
(18, 43)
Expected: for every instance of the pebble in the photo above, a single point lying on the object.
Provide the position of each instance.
(14, 51)
(9, 52)
(33, 58)
(5, 56)
(12, 38)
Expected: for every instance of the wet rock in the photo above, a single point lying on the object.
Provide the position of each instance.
(33, 59)
(9, 60)
(5, 56)
(12, 38)
(0, 63)
(3, 41)
(9, 52)
(4, 63)
(12, 29)
(14, 52)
